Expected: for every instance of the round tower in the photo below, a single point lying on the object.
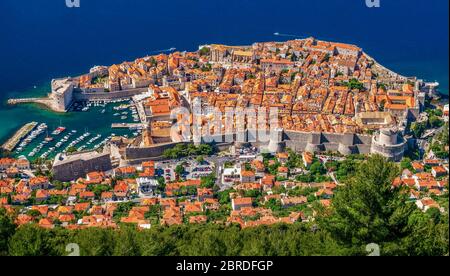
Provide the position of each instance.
(389, 143)
(388, 136)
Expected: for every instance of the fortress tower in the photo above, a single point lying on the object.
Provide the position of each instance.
(62, 94)
(276, 143)
(389, 143)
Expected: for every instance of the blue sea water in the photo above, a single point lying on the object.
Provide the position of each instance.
(43, 39)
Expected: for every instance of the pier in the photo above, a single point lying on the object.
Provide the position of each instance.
(128, 125)
(43, 101)
(19, 135)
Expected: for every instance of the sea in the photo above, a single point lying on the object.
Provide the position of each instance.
(44, 39)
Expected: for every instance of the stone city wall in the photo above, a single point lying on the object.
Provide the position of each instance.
(79, 168)
(148, 153)
(80, 95)
(348, 143)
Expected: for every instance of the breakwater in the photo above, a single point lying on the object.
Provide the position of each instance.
(47, 102)
(19, 135)
(78, 96)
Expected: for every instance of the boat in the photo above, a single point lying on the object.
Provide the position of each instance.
(103, 111)
(58, 130)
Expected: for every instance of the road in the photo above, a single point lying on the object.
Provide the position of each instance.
(219, 163)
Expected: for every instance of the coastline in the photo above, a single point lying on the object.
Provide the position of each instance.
(10, 126)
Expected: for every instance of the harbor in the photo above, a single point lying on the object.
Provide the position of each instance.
(89, 125)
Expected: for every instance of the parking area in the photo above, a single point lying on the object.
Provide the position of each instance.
(192, 169)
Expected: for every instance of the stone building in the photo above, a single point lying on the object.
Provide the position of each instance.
(240, 56)
(71, 167)
(220, 53)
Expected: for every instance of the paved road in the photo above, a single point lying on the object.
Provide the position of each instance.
(219, 163)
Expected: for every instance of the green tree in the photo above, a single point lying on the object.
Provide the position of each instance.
(435, 121)
(428, 235)
(273, 169)
(224, 196)
(354, 84)
(34, 213)
(126, 241)
(95, 242)
(31, 240)
(418, 128)
(368, 209)
(72, 150)
(294, 160)
(7, 230)
(123, 209)
(99, 189)
(204, 51)
(200, 159)
(160, 241)
(317, 168)
(406, 164)
(208, 181)
(179, 170)
(326, 58)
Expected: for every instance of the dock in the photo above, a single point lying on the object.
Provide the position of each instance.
(43, 101)
(19, 135)
(127, 125)
(47, 102)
